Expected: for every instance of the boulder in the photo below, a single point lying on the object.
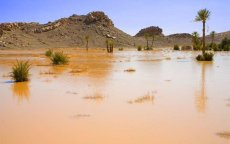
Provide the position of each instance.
(109, 36)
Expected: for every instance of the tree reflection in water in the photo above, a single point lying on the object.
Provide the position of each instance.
(201, 98)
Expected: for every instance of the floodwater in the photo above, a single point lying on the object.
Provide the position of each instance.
(167, 98)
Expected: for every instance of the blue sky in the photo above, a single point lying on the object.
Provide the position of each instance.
(174, 16)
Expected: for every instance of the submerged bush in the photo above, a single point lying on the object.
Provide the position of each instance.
(226, 48)
(206, 57)
(49, 53)
(176, 47)
(120, 49)
(20, 71)
(139, 48)
(59, 58)
(148, 48)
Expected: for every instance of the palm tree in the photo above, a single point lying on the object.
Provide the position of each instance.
(202, 16)
(195, 34)
(196, 41)
(87, 42)
(212, 34)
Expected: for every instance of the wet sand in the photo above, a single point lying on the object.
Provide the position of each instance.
(169, 98)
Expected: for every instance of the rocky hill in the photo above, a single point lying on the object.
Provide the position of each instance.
(71, 32)
(219, 36)
(65, 32)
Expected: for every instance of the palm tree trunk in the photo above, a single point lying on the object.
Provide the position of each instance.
(203, 50)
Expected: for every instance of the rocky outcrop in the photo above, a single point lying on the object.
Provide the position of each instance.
(98, 18)
(10, 26)
(49, 27)
(150, 31)
(17, 26)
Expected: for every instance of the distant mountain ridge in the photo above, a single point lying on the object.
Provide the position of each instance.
(71, 32)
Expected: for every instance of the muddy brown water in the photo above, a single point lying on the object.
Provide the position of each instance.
(170, 98)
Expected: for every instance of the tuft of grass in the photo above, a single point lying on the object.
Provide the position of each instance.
(20, 71)
(206, 57)
(130, 70)
(59, 58)
(176, 47)
(149, 97)
(49, 53)
(148, 48)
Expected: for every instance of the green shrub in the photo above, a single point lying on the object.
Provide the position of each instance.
(176, 47)
(20, 71)
(208, 46)
(214, 46)
(139, 48)
(49, 53)
(226, 48)
(59, 58)
(206, 57)
(224, 43)
(148, 48)
(120, 49)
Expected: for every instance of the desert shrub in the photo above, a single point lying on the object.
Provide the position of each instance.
(176, 47)
(148, 48)
(208, 46)
(59, 58)
(139, 48)
(213, 46)
(226, 48)
(224, 43)
(20, 71)
(206, 57)
(186, 47)
(49, 52)
(120, 49)
(109, 46)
